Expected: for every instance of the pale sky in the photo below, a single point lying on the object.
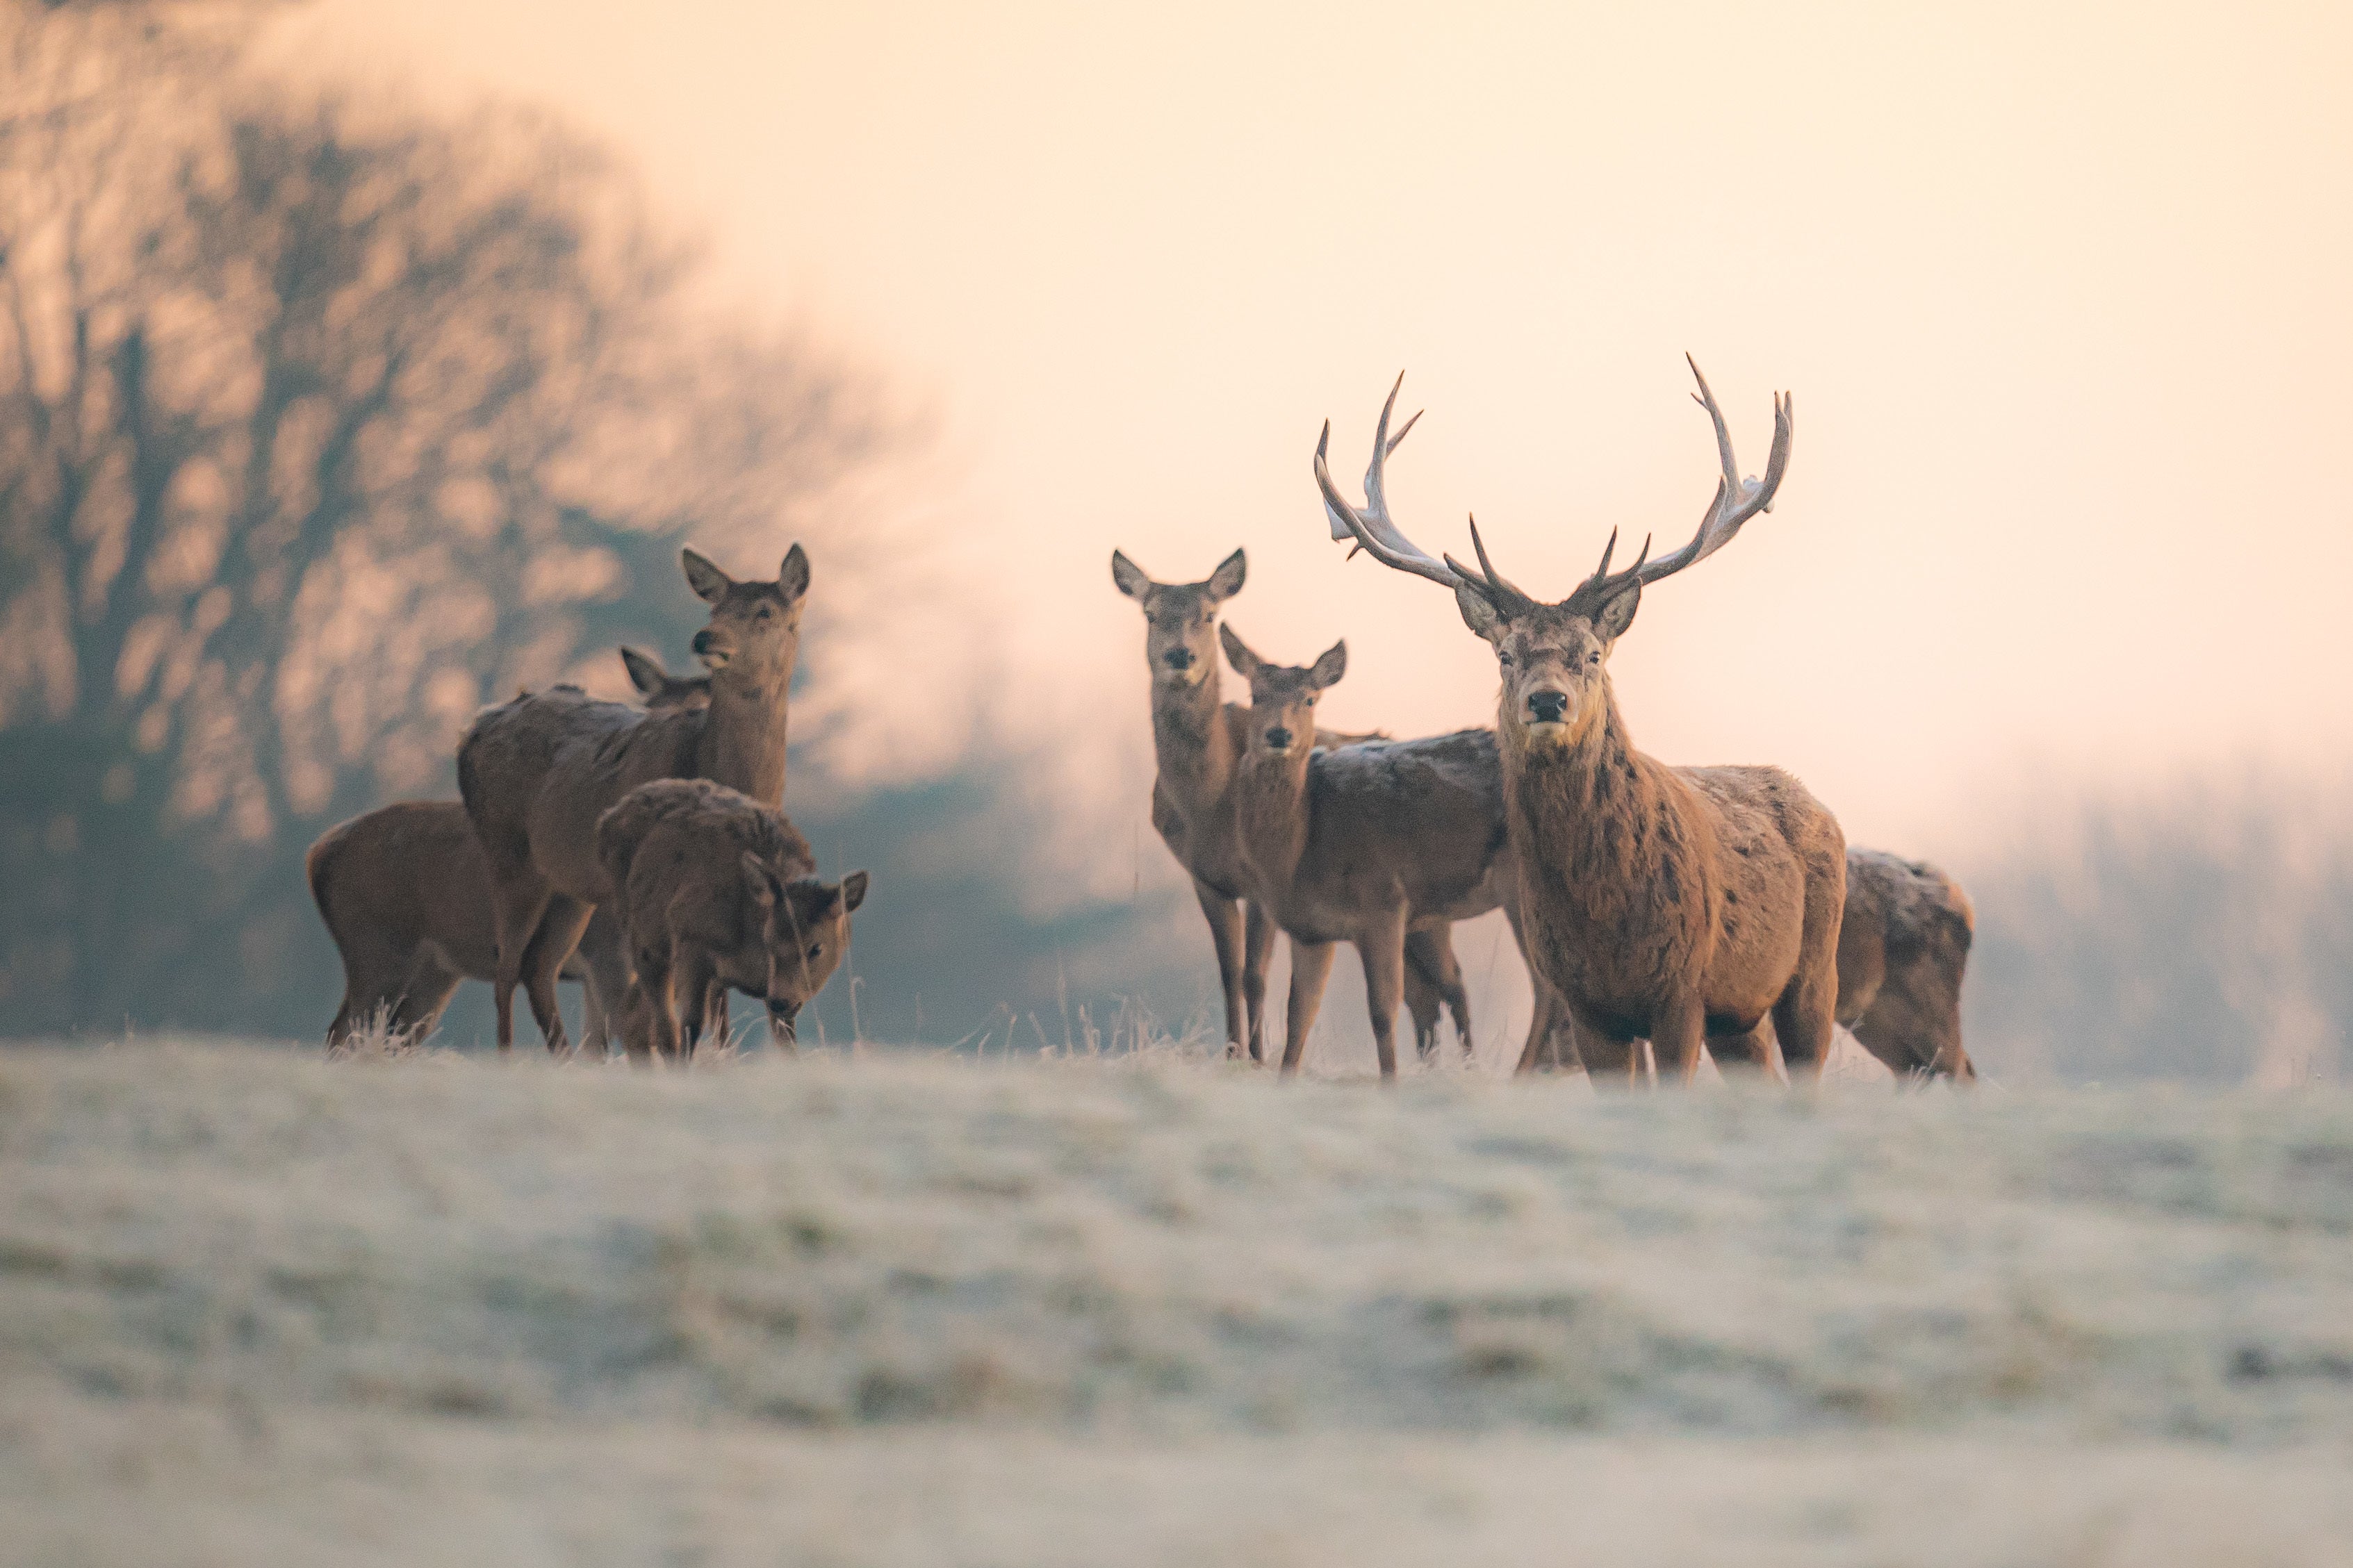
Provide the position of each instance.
(2061, 292)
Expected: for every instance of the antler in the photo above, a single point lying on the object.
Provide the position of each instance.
(1736, 500)
(1375, 530)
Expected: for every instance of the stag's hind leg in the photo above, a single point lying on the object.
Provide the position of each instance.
(1807, 1013)
(1744, 1053)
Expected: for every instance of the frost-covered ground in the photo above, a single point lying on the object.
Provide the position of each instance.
(260, 1309)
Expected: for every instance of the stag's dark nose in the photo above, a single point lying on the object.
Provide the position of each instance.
(703, 642)
(1279, 737)
(1547, 707)
(1179, 658)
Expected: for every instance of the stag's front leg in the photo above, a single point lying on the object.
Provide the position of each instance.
(1310, 967)
(1678, 1031)
(1225, 918)
(1258, 956)
(1383, 955)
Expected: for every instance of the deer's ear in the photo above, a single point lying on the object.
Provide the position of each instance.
(709, 582)
(1330, 666)
(1129, 576)
(1478, 613)
(646, 671)
(1238, 653)
(1610, 621)
(1227, 580)
(853, 892)
(793, 577)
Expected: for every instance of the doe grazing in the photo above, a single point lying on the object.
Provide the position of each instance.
(1902, 948)
(1196, 740)
(405, 894)
(537, 774)
(1681, 905)
(714, 889)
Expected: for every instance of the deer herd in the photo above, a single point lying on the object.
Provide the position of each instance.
(643, 850)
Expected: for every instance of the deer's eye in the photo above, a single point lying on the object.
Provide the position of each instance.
(1593, 658)
(816, 949)
(1504, 658)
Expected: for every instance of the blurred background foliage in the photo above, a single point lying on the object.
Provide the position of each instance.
(322, 424)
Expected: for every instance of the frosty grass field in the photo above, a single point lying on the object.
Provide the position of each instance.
(257, 1308)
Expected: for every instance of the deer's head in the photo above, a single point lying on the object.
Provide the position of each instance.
(1180, 618)
(1554, 658)
(664, 692)
(1282, 696)
(804, 929)
(754, 631)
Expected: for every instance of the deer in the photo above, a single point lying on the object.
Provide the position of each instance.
(1903, 948)
(405, 894)
(536, 773)
(1197, 737)
(1684, 905)
(1370, 844)
(712, 889)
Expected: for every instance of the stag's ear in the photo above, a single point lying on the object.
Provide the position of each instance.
(1330, 666)
(853, 892)
(1129, 576)
(1238, 653)
(757, 878)
(709, 582)
(793, 577)
(1610, 621)
(1478, 613)
(646, 671)
(1227, 580)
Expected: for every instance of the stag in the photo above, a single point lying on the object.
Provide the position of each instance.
(1681, 905)
(405, 894)
(537, 774)
(1197, 737)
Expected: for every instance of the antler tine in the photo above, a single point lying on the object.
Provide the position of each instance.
(1501, 589)
(1736, 500)
(1373, 528)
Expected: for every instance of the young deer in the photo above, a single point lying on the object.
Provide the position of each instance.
(405, 894)
(537, 773)
(1678, 904)
(1369, 844)
(1197, 737)
(1903, 948)
(713, 889)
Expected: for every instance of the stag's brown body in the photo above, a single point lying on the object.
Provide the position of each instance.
(713, 889)
(1684, 905)
(539, 772)
(405, 894)
(1196, 740)
(1903, 949)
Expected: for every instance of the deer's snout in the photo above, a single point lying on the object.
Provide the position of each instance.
(1178, 658)
(1279, 737)
(703, 642)
(1547, 707)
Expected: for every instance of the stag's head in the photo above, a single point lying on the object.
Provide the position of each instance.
(1180, 618)
(803, 929)
(754, 631)
(1554, 658)
(1282, 696)
(664, 692)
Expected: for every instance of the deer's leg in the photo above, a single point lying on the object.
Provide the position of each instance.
(693, 983)
(517, 906)
(653, 1020)
(604, 972)
(1310, 967)
(1258, 954)
(1434, 976)
(1383, 955)
(558, 934)
(714, 1010)
(1678, 1030)
(1807, 1010)
(424, 996)
(1225, 918)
